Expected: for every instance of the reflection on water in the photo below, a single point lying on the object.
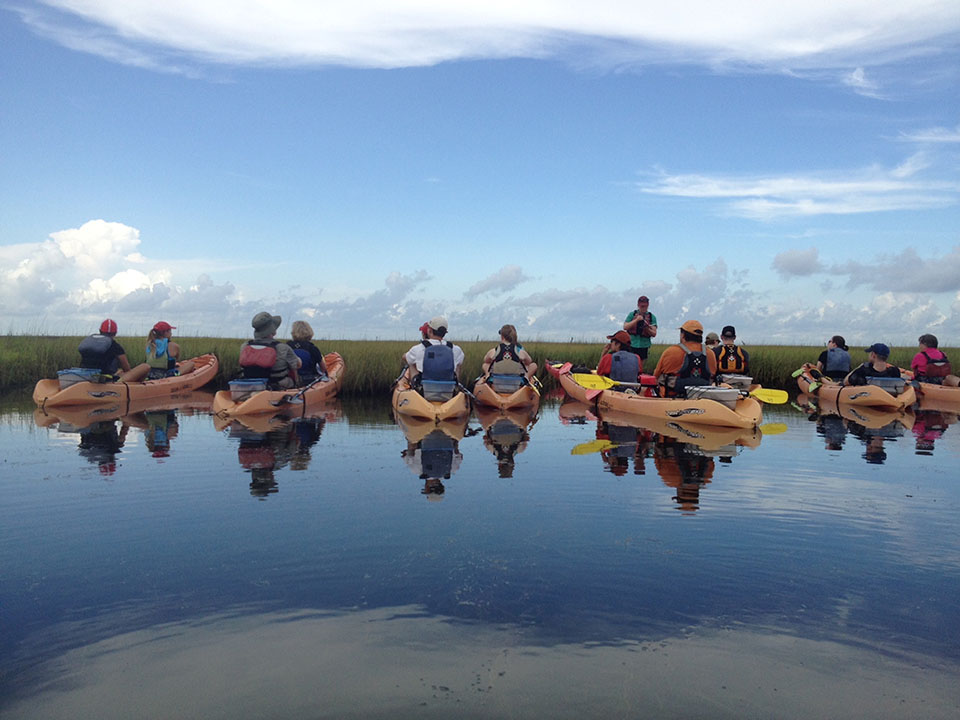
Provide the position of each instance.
(555, 579)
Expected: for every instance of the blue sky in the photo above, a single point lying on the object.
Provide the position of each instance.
(789, 169)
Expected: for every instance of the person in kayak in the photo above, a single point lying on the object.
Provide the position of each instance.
(875, 366)
(834, 362)
(731, 358)
(930, 365)
(509, 357)
(102, 352)
(618, 362)
(686, 363)
(641, 325)
(312, 364)
(266, 358)
(713, 341)
(442, 364)
(163, 354)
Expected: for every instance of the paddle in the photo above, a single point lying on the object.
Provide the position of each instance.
(597, 383)
(286, 399)
(770, 396)
(773, 428)
(594, 446)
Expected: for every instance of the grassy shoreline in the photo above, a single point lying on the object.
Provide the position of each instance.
(373, 365)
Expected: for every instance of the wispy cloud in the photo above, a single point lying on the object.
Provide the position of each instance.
(375, 33)
(861, 84)
(504, 280)
(932, 135)
(836, 193)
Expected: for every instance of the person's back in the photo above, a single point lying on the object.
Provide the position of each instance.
(686, 364)
(731, 358)
(931, 365)
(837, 362)
(266, 358)
(100, 352)
(625, 367)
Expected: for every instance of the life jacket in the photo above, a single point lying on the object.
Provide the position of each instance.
(624, 367)
(436, 455)
(94, 353)
(438, 362)
(308, 368)
(936, 370)
(507, 361)
(838, 362)
(257, 359)
(730, 358)
(157, 357)
(694, 372)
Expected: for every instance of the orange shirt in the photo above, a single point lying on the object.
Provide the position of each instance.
(672, 359)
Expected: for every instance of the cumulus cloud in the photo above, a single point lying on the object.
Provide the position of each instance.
(769, 197)
(798, 263)
(401, 33)
(504, 280)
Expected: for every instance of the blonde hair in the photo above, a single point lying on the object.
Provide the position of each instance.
(509, 333)
(301, 330)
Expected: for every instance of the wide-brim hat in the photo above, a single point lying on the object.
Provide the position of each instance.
(265, 323)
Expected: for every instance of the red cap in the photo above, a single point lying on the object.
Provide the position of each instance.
(164, 326)
(108, 327)
(620, 336)
(424, 328)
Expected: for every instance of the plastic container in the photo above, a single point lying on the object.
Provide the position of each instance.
(725, 396)
(740, 382)
(439, 390)
(894, 386)
(506, 383)
(243, 389)
(72, 376)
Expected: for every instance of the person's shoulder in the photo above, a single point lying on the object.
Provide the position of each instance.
(653, 319)
(630, 316)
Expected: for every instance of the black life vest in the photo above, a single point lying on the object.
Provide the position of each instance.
(695, 370)
(730, 358)
(936, 370)
(624, 367)
(95, 353)
(257, 360)
(507, 361)
(438, 362)
(308, 368)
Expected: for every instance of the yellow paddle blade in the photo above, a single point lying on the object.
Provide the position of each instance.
(594, 446)
(767, 395)
(593, 382)
(773, 428)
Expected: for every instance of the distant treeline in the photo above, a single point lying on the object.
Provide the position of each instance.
(373, 365)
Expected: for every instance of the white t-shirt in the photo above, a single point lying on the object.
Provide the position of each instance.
(414, 355)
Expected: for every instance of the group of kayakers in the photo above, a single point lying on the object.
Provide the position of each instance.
(692, 361)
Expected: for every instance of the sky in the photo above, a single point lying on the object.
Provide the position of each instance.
(790, 168)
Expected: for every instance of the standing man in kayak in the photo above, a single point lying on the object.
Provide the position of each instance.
(641, 325)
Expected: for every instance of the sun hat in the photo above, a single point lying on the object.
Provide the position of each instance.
(693, 326)
(163, 326)
(264, 320)
(620, 336)
(108, 327)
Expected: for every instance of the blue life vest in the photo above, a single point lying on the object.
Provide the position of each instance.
(438, 362)
(436, 456)
(95, 353)
(308, 368)
(838, 362)
(624, 367)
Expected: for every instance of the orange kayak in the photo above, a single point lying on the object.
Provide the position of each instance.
(706, 437)
(746, 413)
(856, 395)
(47, 393)
(872, 418)
(407, 401)
(81, 416)
(526, 396)
(293, 402)
(935, 397)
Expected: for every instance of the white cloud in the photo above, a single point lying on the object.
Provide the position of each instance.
(873, 189)
(932, 135)
(504, 280)
(799, 263)
(376, 33)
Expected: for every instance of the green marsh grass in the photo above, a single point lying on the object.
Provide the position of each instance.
(373, 365)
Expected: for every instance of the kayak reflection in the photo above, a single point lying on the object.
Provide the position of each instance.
(103, 429)
(683, 455)
(271, 443)
(505, 434)
(433, 450)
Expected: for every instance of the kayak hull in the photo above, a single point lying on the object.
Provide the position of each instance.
(81, 416)
(746, 414)
(525, 397)
(854, 395)
(408, 402)
(274, 401)
(47, 393)
(872, 418)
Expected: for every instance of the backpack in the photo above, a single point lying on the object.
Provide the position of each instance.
(624, 367)
(936, 370)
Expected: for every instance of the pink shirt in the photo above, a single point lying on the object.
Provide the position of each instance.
(919, 362)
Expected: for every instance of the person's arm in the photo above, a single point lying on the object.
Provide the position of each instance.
(123, 362)
(173, 350)
(487, 362)
(606, 362)
(650, 330)
(633, 319)
(529, 364)
(822, 361)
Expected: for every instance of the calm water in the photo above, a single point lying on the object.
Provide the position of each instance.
(165, 566)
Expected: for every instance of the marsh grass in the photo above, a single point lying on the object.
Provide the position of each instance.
(372, 365)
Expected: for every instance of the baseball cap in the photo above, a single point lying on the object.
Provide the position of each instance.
(424, 328)
(164, 326)
(643, 299)
(713, 337)
(108, 327)
(620, 336)
(880, 349)
(728, 331)
(438, 322)
(693, 326)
